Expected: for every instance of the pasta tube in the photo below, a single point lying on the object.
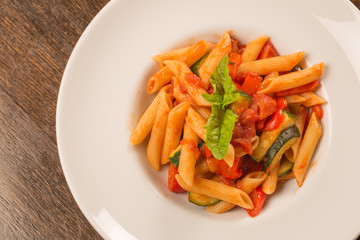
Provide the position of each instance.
(217, 190)
(307, 147)
(174, 128)
(156, 141)
(189, 155)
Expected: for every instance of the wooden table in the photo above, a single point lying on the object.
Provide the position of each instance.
(36, 39)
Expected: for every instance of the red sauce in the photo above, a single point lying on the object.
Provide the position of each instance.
(194, 80)
(182, 89)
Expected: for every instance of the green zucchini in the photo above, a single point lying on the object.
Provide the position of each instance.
(285, 167)
(202, 200)
(195, 67)
(267, 138)
(242, 103)
(281, 144)
(174, 156)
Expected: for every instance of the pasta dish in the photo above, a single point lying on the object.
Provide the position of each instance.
(231, 121)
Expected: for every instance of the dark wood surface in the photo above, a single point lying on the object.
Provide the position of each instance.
(36, 39)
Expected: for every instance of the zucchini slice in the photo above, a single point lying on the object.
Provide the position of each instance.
(201, 200)
(195, 67)
(285, 167)
(267, 138)
(281, 144)
(242, 103)
(174, 156)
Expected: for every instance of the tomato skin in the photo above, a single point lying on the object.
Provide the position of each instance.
(263, 104)
(230, 172)
(298, 90)
(268, 51)
(234, 63)
(276, 119)
(258, 198)
(251, 83)
(173, 185)
(208, 153)
(318, 111)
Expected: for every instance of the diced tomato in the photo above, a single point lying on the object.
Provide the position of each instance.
(234, 63)
(318, 110)
(240, 77)
(244, 130)
(251, 83)
(298, 90)
(208, 153)
(250, 166)
(263, 104)
(268, 51)
(230, 172)
(238, 86)
(193, 79)
(173, 185)
(235, 46)
(260, 124)
(276, 119)
(258, 198)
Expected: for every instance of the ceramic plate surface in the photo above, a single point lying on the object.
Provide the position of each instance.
(103, 92)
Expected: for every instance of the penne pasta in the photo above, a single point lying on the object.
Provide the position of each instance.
(171, 55)
(248, 184)
(177, 53)
(253, 48)
(146, 121)
(217, 190)
(251, 181)
(300, 124)
(295, 99)
(286, 177)
(220, 207)
(173, 131)
(189, 155)
(156, 141)
(239, 151)
(197, 123)
(222, 48)
(182, 73)
(274, 64)
(312, 99)
(201, 167)
(270, 183)
(181, 95)
(308, 144)
(292, 80)
(164, 76)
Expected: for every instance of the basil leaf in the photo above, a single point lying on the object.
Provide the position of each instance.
(219, 130)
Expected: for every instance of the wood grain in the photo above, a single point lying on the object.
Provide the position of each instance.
(36, 40)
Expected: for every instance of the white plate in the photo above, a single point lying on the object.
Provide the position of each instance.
(103, 92)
